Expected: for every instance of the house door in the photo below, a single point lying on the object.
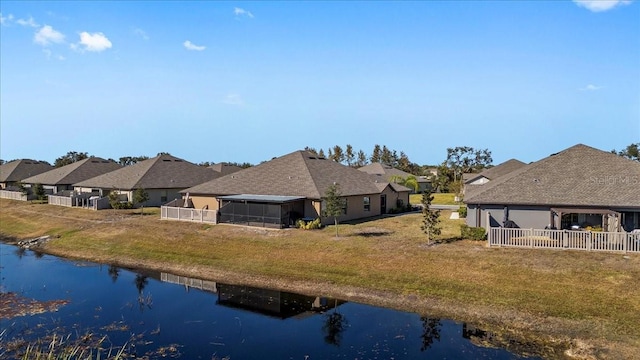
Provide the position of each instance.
(383, 204)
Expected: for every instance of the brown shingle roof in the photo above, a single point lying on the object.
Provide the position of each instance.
(160, 172)
(385, 172)
(496, 171)
(19, 170)
(577, 176)
(224, 169)
(300, 173)
(75, 172)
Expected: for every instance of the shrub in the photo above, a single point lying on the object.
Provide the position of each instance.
(472, 233)
(462, 211)
(309, 225)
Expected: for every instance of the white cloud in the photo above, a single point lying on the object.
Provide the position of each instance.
(27, 22)
(141, 33)
(242, 12)
(591, 87)
(233, 99)
(601, 5)
(47, 35)
(95, 42)
(5, 20)
(191, 46)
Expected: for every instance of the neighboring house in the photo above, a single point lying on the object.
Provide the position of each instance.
(474, 181)
(278, 192)
(60, 179)
(384, 173)
(162, 177)
(16, 171)
(580, 187)
(224, 169)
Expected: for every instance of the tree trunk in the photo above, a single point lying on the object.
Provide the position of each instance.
(335, 220)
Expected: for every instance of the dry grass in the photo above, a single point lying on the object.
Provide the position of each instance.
(593, 297)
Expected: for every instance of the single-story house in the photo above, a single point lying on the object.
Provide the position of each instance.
(60, 179)
(162, 177)
(278, 192)
(384, 173)
(474, 181)
(16, 171)
(580, 187)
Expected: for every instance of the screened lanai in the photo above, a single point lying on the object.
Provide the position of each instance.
(260, 210)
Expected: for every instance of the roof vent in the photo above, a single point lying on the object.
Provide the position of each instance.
(177, 160)
(28, 162)
(166, 160)
(312, 157)
(95, 161)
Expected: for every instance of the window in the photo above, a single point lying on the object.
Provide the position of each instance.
(367, 203)
(163, 196)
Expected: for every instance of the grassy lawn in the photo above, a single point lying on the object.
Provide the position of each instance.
(559, 295)
(438, 198)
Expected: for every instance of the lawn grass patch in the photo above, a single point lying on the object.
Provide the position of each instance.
(593, 296)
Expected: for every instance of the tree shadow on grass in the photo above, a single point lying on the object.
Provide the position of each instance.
(371, 232)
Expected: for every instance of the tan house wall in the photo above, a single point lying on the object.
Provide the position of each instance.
(355, 209)
(392, 198)
(201, 201)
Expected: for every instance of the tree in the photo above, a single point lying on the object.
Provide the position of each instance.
(386, 156)
(349, 155)
(130, 160)
(139, 197)
(321, 153)
(70, 158)
(376, 154)
(465, 159)
(311, 150)
(338, 154)
(334, 203)
(410, 181)
(362, 159)
(23, 189)
(38, 191)
(631, 152)
(431, 218)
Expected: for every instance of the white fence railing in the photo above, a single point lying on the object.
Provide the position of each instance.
(187, 214)
(13, 195)
(565, 239)
(60, 200)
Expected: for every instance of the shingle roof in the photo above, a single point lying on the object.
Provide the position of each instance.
(160, 172)
(19, 170)
(385, 172)
(577, 176)
(74, 172)
(300, 173)
(496, 171)
(224, 169)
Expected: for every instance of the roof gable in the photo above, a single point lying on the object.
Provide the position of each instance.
(160, 172)
(577, 176)
(495, 172)
(300, 173)
(19, 170)
(75, 172)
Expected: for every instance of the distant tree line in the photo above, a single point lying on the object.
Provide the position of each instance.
(380, 154)
(631, 152)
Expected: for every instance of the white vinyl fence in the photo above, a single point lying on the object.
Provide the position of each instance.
(565, 239)
(60, 200)
(187, 214)
(13, 195)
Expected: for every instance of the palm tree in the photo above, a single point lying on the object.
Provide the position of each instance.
(410, 181)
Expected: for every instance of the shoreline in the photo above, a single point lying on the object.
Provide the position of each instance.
(462, 280)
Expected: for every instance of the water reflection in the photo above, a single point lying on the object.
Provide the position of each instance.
(197, 318)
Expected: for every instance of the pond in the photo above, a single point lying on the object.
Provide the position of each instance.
(159, 315)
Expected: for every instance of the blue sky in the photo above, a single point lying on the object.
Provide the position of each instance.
(248, 81)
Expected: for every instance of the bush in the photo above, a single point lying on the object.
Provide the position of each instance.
(122, 205)
(472, 233)
(309, 225)
(462, 211)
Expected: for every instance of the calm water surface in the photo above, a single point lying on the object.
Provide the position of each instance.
(197, 319)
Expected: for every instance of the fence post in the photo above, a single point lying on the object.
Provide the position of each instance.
(627, 240)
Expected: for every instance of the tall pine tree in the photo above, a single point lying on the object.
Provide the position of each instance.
(430, 218)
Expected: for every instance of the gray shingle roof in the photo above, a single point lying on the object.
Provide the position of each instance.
(383, 171)
(577, 176)
(496, 171)
(19, 170)
(75, 172)
(297, 174)
(160, 172)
